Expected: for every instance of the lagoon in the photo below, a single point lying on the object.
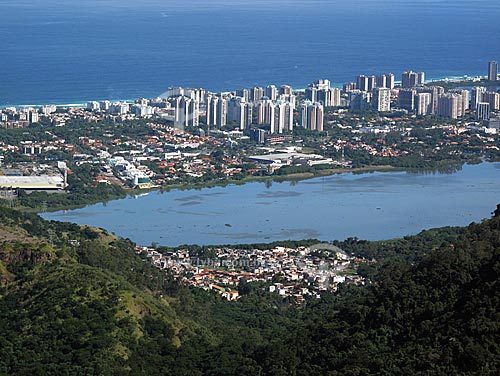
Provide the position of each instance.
(373, 206)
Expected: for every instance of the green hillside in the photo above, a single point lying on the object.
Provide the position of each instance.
(78, 301)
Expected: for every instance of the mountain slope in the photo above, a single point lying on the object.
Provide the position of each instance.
(76, 300)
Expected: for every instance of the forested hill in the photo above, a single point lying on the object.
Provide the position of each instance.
(78, 301)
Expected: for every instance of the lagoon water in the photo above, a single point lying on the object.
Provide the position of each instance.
(59, 51)
(378, 205)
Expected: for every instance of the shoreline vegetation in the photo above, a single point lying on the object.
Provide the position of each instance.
(40, 205)
(134, 192)
(82, 196)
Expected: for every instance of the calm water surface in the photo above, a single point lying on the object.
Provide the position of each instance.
(379, 205)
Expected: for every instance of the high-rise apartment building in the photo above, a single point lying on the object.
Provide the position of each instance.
(493, 98)
(271, 92)
(350, 86)
(493, 71)
(264, 114)
(283, 118)
(34, 117)
(381, 80)
(477, 95)
(221, 113)
(406, 99)
(390, 80)
(321, 84)
(119, 108)
(174, 92)
(186, 111)
(216, 110)
(329, 97)
(285, 90)
(211, 104)
(104, 105)
(93, 106)
(420, 78)
(256, 94)
(372, 83)
(423, 103)
(410, 79)
(449, 105)
(312, 116)
(142, 110)
(244, 93)
(362, 83)
(311, 93)
(277, 114)
(290, 98)
(48, 109)
(465, 103)
(435, 91)
(239, 112)
(320, 91)
(258, 135)
(360, 100)
(483, 111)
(381, 100)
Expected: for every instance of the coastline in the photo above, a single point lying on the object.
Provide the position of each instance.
(131, 192)
(279, 178)
(82, 103)
(225, 183)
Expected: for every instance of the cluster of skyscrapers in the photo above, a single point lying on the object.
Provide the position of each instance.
(370, 92)
(484, 102)
(378, 92)
(426, 100)
(276, 110)
(270, 107)
(433, 100)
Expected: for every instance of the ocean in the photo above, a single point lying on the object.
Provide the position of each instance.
(55, 51)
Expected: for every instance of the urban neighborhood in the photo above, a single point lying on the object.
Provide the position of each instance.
(289, 272)
(193, 136)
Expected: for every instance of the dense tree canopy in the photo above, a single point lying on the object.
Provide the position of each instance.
(95, 307)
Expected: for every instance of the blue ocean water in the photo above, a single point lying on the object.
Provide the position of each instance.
(73, 51)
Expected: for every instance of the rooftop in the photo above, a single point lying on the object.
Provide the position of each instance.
(33, 182)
